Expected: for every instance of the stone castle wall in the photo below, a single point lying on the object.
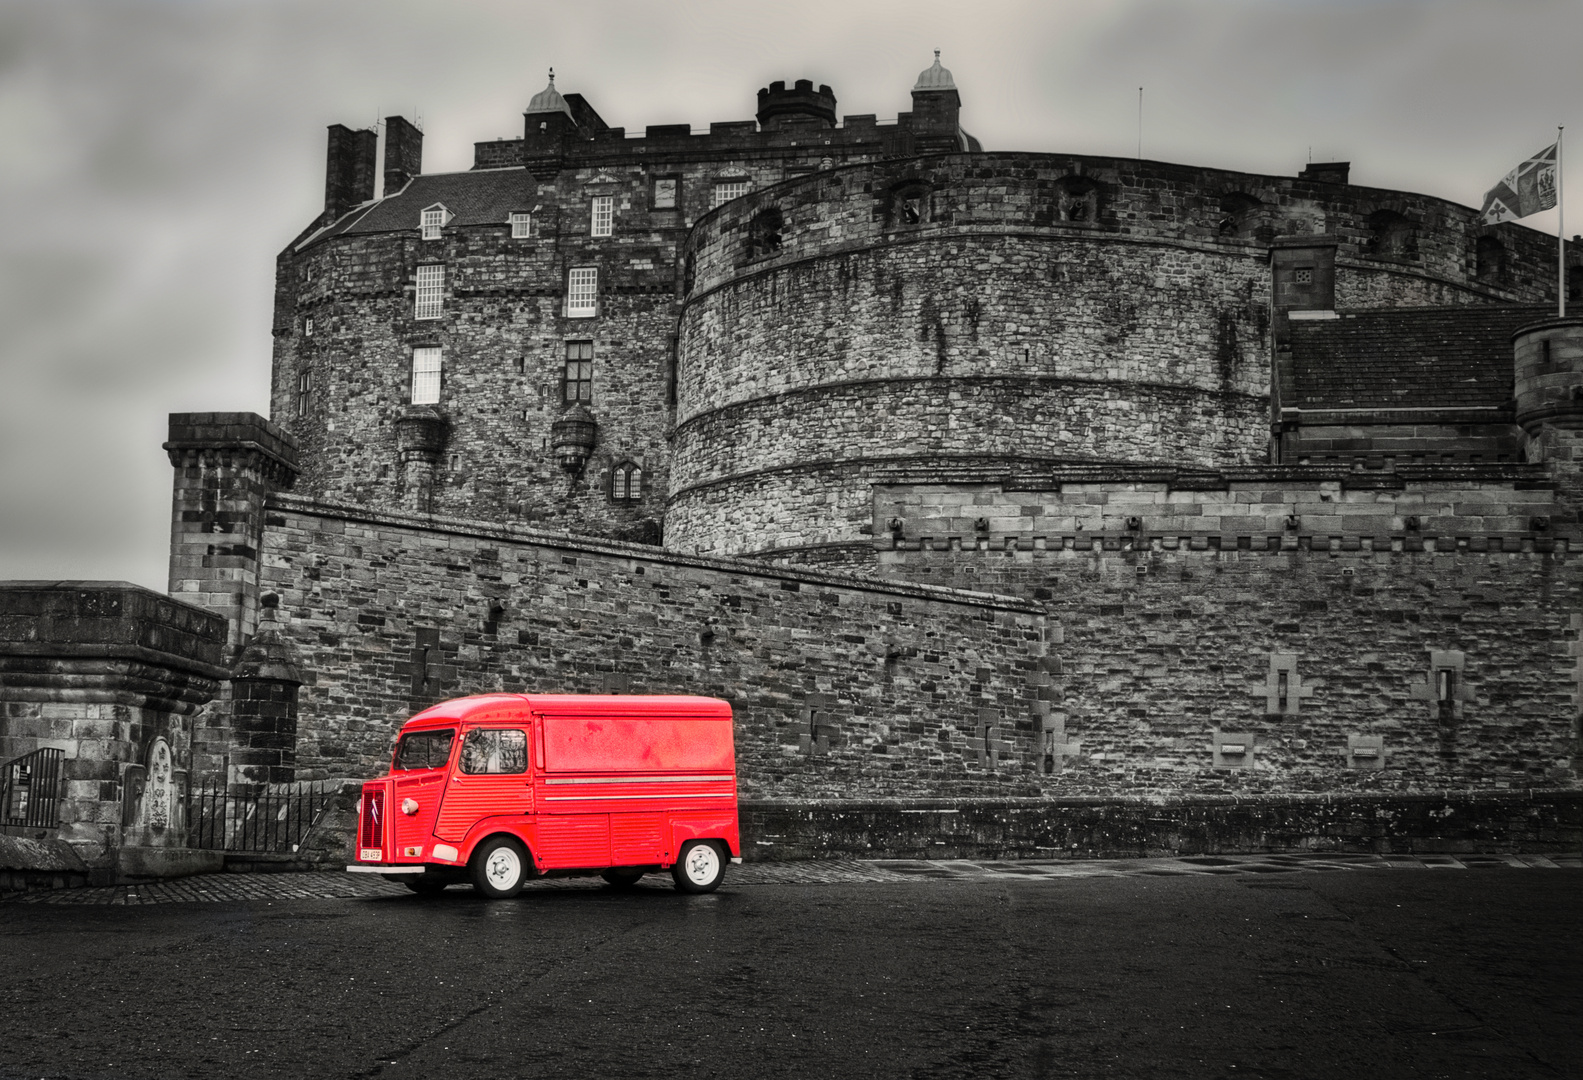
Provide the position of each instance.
(838, 685)
(1005, 306)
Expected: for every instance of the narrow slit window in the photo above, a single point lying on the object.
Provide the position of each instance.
(428, 299)
(426, 376)
(307, 328)
(603, 215)
(582, 292)
(304, 392)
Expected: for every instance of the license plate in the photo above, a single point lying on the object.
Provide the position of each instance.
(370, 854)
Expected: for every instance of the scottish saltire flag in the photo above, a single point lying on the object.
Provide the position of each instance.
(1527, 189)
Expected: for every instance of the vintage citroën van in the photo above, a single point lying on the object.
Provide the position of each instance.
(503, 787)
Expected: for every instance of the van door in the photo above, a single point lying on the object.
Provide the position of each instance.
(490, 780)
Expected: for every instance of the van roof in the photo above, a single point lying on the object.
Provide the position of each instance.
(465, 708)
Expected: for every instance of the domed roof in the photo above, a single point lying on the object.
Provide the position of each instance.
(549, 99)
(936, 78)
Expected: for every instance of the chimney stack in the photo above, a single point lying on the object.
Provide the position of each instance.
(403, 153)
(349, 170)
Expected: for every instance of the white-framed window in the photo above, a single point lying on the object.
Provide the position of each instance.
(304, 392)
(602, 215)
(582, 292)
(429, 297)
(726, 190)
(431, 221)
(307, 327)
(426, 375)
(521, 225)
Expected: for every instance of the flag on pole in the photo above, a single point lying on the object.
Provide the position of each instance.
(1527, 189)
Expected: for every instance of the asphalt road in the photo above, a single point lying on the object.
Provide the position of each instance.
(1471, 973)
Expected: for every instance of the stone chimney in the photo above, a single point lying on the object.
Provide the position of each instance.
(403, 153)
(1326, 172)
(349, 170)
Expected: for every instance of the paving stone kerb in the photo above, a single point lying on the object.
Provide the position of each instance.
(995, 329)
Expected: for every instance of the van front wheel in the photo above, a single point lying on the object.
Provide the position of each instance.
(699, 867)
(500, 866)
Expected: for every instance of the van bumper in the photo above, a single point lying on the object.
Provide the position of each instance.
(370, 868)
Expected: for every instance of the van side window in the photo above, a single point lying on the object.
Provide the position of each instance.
(424, 750)
(494, 752)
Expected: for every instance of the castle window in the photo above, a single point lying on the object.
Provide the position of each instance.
(626, 482)
(1575, 283)
(307, 327)
(602, 216)
(431, 221)
(578, 382)
(726, 190)
(521, 225)
(582, 292)
(304, 392)
(1489, 259)
(764, 233)
(427, 299)
(665, 191)
(426, 375)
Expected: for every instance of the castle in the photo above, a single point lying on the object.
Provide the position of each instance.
(1001, 485)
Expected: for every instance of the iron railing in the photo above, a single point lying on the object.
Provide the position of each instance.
(275, 818)
(30, 790)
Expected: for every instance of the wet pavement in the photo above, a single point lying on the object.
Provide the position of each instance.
(1272, 966)
(334, 885)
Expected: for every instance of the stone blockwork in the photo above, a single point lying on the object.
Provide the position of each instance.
(111, 675)
(1033, 307)
(838, 684)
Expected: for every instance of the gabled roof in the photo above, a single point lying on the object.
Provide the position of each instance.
(1404, 358)
(480, 197)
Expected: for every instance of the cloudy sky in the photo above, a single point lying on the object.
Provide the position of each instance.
(156, 154)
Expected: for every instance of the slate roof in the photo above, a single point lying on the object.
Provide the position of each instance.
(1403, 358)
(480, 197)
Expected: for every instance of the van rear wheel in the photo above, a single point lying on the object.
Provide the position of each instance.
(500, 867)
(699, 867)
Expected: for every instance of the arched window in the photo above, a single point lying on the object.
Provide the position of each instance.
(764, 233)
(626, 482)
(1489, 260)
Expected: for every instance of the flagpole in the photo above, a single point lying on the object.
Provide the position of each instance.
(1561, 232)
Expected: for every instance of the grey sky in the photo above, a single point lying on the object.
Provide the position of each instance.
(157, 155)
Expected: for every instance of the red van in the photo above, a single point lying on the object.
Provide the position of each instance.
(502, 787)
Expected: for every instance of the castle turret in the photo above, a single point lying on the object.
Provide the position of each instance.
(1548, 387)
(546, 121)
(800, 106)
(936, 111)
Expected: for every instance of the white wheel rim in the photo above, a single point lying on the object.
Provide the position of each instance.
(503, 868)
(702, 865)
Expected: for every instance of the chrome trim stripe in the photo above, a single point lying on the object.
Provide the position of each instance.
(668, 795)
(635, 779)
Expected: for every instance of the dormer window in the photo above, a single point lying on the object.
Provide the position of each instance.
(521, 225)
(431, 221)
(602, 215)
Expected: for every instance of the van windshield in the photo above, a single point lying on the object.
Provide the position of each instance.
(424, 750)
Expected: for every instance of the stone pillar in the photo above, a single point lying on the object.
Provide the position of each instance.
(226, 465)
(421, 432)
(1548, 386)
(264, 711)
(111, 675)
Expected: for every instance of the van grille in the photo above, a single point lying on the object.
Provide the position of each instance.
(372, 826)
